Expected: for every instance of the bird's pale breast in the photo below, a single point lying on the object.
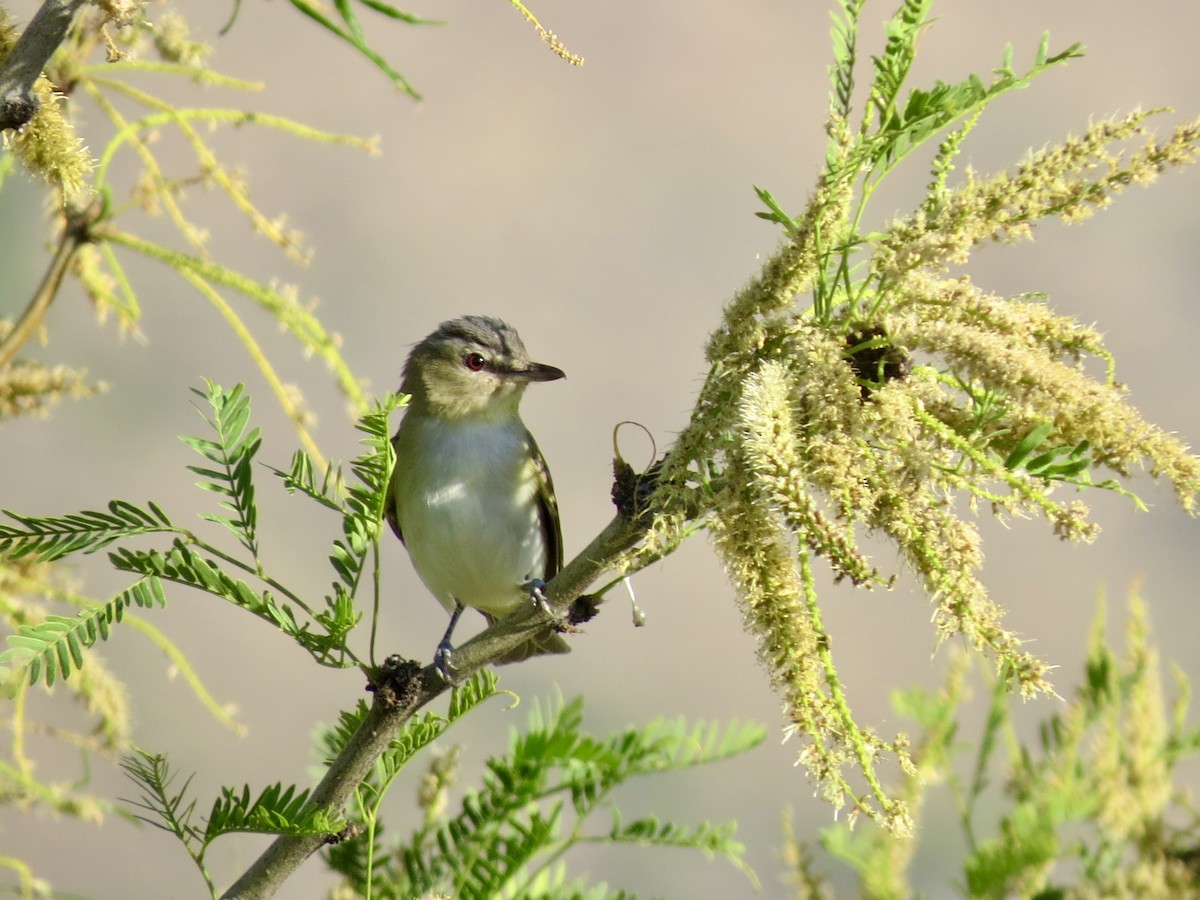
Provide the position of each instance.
(467, 505)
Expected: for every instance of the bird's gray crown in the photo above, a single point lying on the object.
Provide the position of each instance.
(497, 337)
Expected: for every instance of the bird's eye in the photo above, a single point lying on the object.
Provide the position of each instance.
(474, 361)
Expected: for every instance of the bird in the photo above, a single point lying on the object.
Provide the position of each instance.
(471, 496)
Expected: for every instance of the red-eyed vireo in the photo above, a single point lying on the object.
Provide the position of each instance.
(471, 497)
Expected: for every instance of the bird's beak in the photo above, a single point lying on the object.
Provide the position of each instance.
(540, 372)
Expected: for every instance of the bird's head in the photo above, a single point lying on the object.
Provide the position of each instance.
(473, 367)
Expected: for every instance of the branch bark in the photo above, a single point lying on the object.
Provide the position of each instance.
(395, 703)
(28, 58)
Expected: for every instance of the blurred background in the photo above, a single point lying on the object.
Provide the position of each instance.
(607, 212)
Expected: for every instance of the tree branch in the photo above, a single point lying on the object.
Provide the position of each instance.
(407, 689)
(33, 50)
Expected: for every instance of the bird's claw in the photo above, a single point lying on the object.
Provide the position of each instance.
(537, 593)
(441, 661)
(441, 656)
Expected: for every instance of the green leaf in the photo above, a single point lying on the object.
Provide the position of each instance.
(508, 826)
(54, 647)
(891, 69)
(232, 454)
(172, 811)
(775, 212)
(677, 746)
(277, 810)
(466, 696)
(301, 478)
(354, 35)
(712, 840)
(1069, 464)
(1026, 446)
(902, 128)
(392, 13)
(332, 739)
(992, 869)
(844, 38)
(362, 510)
(53, 537)
(183, 566)
(416, 735)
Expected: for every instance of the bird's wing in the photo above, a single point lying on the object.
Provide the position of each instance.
(389, 502)
(547, 510)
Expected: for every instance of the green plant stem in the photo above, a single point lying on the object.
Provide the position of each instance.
(250, 570)
(378, 581)
(290, 409)
(26, 883)
(561, 847)
(74, 235)
(181, 665)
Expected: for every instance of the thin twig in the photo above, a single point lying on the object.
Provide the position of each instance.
(76, 232)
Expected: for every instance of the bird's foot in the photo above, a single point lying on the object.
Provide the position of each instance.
(537, 595)
(445, 650)
(442, 661)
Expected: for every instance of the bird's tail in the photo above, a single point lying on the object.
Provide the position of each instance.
(551, 643)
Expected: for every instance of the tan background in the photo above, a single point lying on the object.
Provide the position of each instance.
(607, 212)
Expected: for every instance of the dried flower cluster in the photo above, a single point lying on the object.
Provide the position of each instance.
(29, 388)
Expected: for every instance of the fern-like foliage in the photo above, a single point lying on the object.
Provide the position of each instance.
(301, 477)
(231, 456)
(534, 803)
(416, 734)
(712, 840)
(356, 859)
(1101, 780)
(891, 69)
(54, 647)
(53, 537)
(277, 810)
(168, 808)
(844, 39)
(362, 509)
(183, 565)
(465, 697)
(1087, 807)
(360, 505)
(894, 125)
(926, 112)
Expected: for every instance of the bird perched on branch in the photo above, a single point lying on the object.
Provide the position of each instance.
(471, 496)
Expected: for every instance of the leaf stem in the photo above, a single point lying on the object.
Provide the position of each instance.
(250, 570)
